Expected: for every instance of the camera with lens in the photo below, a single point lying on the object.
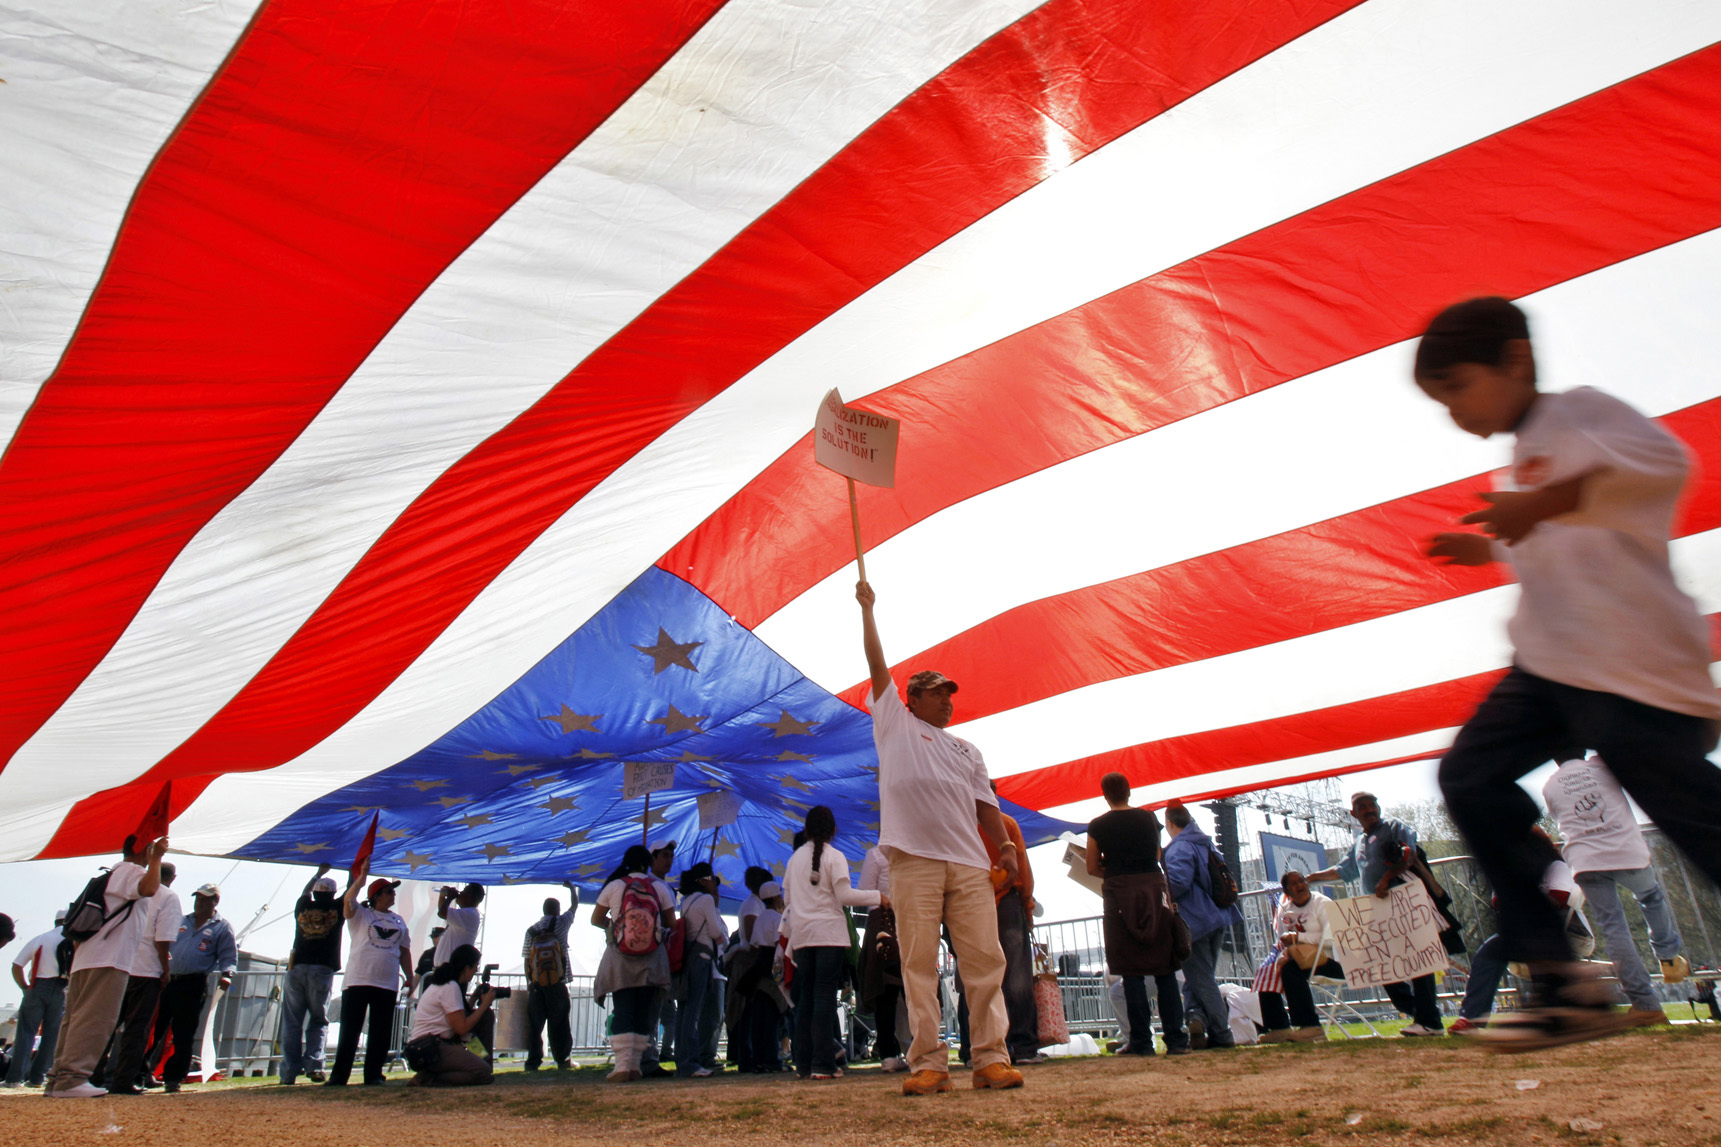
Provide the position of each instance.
(484, 982)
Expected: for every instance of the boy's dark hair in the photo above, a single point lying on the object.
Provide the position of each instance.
(1476, 330)
(1177, 816)
(1115, 788)
(755, 878)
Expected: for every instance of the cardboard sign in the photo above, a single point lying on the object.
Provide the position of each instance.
(718, 809)
(646, 777)
(1387, 941)
(855, 443)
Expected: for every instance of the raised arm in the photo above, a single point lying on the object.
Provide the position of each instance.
(322, 871)
(877, 667)
(350, 901)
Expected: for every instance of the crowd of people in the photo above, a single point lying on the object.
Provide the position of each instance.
(1610, 677)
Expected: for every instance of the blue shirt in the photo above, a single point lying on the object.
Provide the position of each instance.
(1372, 853)
(204, 949)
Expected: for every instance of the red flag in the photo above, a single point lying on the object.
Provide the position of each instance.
(365, 849)
(153, 826)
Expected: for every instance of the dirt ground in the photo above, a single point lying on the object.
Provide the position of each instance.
(1657, 1086)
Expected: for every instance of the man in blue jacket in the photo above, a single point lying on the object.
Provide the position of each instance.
(1205, 1013)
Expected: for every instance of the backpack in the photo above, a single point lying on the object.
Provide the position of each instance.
(88, 914)
(544, 965)
(678, 944)
(635, 930)
(63, 954)
(1221, 886)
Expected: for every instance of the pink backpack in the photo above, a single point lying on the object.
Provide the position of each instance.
(636, 925)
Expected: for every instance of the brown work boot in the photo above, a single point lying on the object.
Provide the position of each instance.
(1647, 1017)
(999, 1075)
(927, 1082)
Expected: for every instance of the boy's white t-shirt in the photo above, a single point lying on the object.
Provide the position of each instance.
(1595, 818)
(928, 781)
(375, 942)
(1600, 609)
(116, 943)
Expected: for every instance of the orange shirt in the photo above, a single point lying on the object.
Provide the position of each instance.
(1000, 878)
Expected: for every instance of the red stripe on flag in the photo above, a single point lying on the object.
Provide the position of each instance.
(1358, 566)
(964, 144)
(1622, 172)
(343, 156)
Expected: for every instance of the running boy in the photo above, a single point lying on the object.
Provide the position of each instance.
(1610, 653)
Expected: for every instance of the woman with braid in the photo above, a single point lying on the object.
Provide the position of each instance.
(816, 886)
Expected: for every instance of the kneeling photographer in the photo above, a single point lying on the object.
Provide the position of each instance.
(443, 1023)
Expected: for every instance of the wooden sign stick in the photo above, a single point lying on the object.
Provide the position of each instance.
(854, 518)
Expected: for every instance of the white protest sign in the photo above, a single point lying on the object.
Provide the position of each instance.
(1387, 941)
(644, 777)
(855, 443)
(718, 809)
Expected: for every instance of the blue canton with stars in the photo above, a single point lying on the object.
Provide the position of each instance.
(529, 789)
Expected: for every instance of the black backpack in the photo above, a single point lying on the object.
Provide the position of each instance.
(88, 914)
(1221, 885)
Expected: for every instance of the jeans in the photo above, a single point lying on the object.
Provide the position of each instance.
(1201, 996)
(1601, 892)
(305, 998)
(661, 1024)
(547, 1006)
(43, 1006)
(1023, 1038)
(1140, 1013)
(1658, 756)
(1486, 967)
(691, 1009)
(818, 976)
(356, 1004)
(632, 1010)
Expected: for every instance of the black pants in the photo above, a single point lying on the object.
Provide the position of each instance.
(1419, 999)
(759, 1024)
(1659, 756)
(885, 1044)
(1141, 1015)
(818, 978)
(124, 1061)
(356, 1005)
(547, 1005)
(1300, 997)
(181, 1005)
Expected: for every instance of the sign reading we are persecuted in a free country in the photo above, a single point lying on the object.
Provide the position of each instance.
(857, 444)
(1387, 940)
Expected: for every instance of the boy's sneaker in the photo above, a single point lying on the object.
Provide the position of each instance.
(1197, 1029)
(997, 1075)
(1462, 1026)
(1419, 1030)
(894, 1063)
(927, 1083)
(1675, 970)
(703, 1073)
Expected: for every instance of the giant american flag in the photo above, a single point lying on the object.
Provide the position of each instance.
(407, 407)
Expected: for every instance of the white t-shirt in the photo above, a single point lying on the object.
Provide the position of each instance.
(116, 944)
(41, 956)
(462, 929)
(704, 923)
(1595, 818)
(751, 906)
(375, 942)
(875, 871)
(164, 917)
(928, 781)
(817, 919)
(766, 927)
(1600, 609)
(431, 1016)
(1309, 922)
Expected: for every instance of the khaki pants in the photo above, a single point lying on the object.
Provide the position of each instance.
(93, 998)
(926, 893)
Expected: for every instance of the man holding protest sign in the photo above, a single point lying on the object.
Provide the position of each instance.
(1380, 855)
(933, 788)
